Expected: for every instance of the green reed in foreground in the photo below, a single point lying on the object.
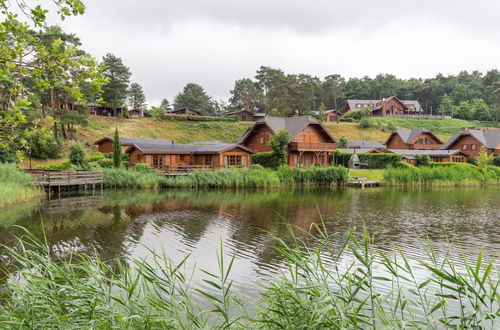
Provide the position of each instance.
(255, 176)
(455, 174)
(323, 287)
(15, 186)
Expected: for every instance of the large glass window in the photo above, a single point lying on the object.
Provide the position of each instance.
(234, 160)
(158, 160)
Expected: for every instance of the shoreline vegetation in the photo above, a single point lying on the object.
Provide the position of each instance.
(331, 282)
(16, 186)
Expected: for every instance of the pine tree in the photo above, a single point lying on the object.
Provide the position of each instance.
(117, 150)
(136, 97)
(194, 96)
(114, 93)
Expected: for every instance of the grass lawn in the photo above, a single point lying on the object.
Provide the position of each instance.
(370, 175)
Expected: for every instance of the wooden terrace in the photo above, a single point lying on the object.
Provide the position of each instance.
(60, 179)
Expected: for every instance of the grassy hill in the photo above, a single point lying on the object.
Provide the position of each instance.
(185, 132)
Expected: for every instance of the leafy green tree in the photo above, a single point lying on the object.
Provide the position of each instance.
(157, 113)
(322, 112)
(342, 144)
(484, 159)
(194, 96)
(278, 144)
(334, 86)
(464, 110)
(136, 97)
(245, 95)
(165, 105)
(77, 155)
(446, 106)
(115, 91)
(481, 110)
(42, 144)
(117, 150)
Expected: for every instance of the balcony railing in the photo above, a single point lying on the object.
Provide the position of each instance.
(308, 146)
(425, 146)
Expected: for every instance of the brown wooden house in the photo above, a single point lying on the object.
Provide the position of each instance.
(387, 106)
(105, 145)
(469, 141)
(247, 115)
(416, 139)
(186, 111)
(196, 155)
(309, 143)
(439, 156)
(135, 113)
(332, 115)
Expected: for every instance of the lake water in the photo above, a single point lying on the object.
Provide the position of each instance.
(124, 224)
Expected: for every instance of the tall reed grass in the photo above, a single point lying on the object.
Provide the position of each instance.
(15, 186)
(354, 286)
(255, 176)
(449, 175)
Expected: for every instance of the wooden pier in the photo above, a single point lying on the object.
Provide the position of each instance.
(362, 183)
(57, 179)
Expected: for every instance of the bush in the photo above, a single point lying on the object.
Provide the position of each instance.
(171, 117)
(423, 160)
(143, 168)
(42, 144)
(347, 120)
(496, 161)
(105, 163)
(96, 156)
(356, 114)
(402, 164)
(365, 123)
(77, 155)
(265, 159)
(472, 160)
(374, 161)
(55, 167)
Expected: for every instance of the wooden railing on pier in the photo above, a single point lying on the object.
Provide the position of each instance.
(66, 178)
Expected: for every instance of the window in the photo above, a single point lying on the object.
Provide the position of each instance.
(464, 147)
(157, 160)
(472, 147)
(435, 159)
(261, 140)
(234, 160)
(458, 159)
(182, 158)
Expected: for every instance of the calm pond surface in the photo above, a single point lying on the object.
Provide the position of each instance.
(125, 223)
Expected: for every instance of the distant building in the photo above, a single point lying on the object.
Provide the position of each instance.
(387, 106)
(309, 143)
(365, 144)
(453, 156)
(415, 139)
(135, 113)
(187, 111)
(469, 141)
(105, 145)
(247, 115)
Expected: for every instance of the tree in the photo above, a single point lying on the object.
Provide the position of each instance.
(278, 144)
(464, 110)
(322, 112)
(114, 92)
(245, 95)
(343, 144)
(446, 106)
(165, 105)
(484, 159)
(136, 97)
(77, 155)
(194, 96)
(334, 85)
(481, 110)
(117, 150)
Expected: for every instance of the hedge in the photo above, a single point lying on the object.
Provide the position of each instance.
(374, 160)
(496, 161)
(266, 159)
(198, 118)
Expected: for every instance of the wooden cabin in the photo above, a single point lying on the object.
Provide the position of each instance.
(332, 115)
(247, 115)
(211, 155)
(309, 143)
(365, 144)
(439, 156)
(469, 141)
(105, 145)
(135, 113)
(186, 111)
(417, 139)
(387, 106)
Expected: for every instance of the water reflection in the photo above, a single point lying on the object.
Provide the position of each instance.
(122, 224)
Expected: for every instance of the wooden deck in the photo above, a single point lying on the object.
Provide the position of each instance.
(175, 170)
(362, 183)
(67, 178)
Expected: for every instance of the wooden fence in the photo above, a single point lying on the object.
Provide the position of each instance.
(66, 178)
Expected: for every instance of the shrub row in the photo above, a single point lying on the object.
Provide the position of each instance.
(197, 118)
(255, 176)
(443, 174)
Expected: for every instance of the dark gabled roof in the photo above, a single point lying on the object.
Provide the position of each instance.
(408, 135)
(130, 141)
(489, 138)
(210, 147)
(364, 144)
(185, 108)
(359, 150)
(352, 103)
(293, 125)
(413, 152)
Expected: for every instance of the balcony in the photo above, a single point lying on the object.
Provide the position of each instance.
(307, 146)
(425, 146)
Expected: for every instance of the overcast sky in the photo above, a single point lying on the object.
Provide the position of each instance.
(169, 43)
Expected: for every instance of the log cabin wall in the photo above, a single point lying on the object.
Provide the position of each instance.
(468, 145)
(259, 140)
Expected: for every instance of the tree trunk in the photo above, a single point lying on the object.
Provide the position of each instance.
(55, 130)
(63, 130)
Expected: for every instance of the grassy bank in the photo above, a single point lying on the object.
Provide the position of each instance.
(443, 175)
(15, 186)
(255, 176)
(323, 287)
